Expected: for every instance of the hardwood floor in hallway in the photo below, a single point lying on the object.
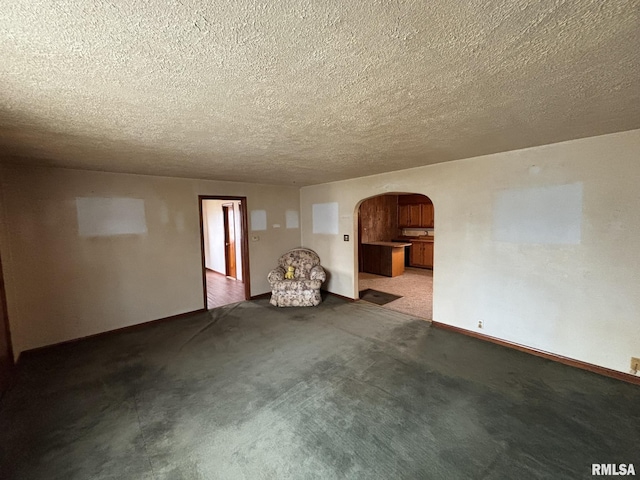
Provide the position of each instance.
(222, 290)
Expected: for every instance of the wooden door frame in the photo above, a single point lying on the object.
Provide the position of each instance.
(227, 248)
(6, 372)
(244, 244)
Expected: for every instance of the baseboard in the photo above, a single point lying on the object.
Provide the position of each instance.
(216, 272)
(129, 328)
(607, 372)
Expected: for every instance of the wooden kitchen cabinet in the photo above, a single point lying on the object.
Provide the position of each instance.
(415, 215)
(409, 216)
(421, 254)
(383, 258)
(426, 214)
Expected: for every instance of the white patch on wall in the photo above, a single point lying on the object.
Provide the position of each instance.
(325, 218)
(545, 215)
(99, 217)
(292, 220)
(258, 219)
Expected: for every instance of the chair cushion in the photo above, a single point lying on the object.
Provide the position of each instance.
(296, 285)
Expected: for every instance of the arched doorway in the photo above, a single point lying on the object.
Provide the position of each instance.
(384, 222)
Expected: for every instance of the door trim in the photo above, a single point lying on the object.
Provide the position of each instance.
(6, 371)
(244, 243)
(230, 267)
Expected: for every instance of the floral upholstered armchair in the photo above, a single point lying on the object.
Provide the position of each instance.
(303, 290)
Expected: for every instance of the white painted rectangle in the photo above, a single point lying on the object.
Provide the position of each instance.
(258, 220)
(543, 215)
(325, 218)
(98, 216)
(292, 220)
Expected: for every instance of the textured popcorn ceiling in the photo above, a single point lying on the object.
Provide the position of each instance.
(303, 91)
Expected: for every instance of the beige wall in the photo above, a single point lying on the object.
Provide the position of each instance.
(62, 286)
(578, 300)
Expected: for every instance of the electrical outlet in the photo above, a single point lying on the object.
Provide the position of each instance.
(635, 365)
(480, 324)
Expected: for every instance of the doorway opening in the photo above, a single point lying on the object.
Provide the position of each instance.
(395, 252)
(225, 250)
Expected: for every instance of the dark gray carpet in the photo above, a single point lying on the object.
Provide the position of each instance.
(379, 298)
(344, 390)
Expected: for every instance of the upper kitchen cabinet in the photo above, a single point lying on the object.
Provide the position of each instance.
(415, 211)
(409, 216)
(426, 214)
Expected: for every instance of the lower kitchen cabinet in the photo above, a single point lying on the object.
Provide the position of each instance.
(383, 258)
(421, 254)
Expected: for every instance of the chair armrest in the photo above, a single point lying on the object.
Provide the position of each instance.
(276, 275)
(317, 273)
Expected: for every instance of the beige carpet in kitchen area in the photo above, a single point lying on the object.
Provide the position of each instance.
(415, 286)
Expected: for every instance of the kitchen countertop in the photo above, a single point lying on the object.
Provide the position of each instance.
(425, 238)
(388, 244)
